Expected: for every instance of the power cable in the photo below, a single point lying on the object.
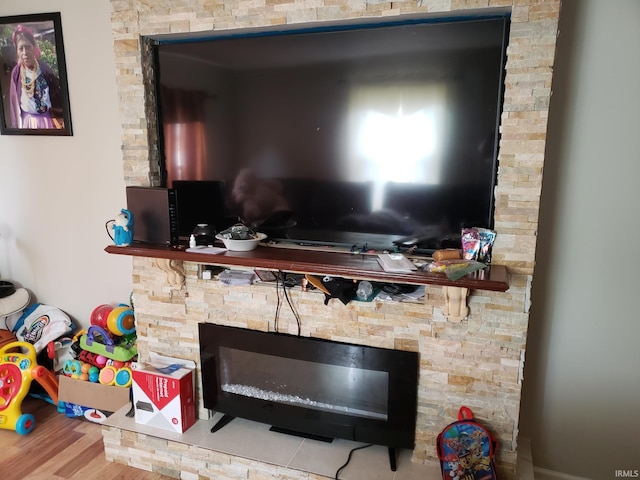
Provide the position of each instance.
(293, 310)
(275, 320)
(349, 458)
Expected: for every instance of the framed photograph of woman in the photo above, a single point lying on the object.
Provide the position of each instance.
(34, 94)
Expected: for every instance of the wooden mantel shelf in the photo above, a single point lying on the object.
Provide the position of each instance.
(319, 262)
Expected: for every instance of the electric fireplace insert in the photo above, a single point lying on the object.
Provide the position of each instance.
(310, 387)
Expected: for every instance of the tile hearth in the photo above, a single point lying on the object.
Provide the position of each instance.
(254, 441)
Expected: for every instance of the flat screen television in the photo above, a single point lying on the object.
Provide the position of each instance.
(373, 134)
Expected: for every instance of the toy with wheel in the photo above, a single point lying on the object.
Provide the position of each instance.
(17, 370)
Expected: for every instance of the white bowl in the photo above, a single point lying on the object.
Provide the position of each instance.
(242, 245)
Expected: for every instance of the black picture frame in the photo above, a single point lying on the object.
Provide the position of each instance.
(50, 96)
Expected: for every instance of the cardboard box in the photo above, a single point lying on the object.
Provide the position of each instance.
(93, 395)
(164, 393)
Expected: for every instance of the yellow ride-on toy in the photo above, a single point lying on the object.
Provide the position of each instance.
(17, 370)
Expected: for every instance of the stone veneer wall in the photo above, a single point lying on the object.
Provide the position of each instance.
(477, 363)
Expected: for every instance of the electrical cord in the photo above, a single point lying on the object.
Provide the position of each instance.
(279, 302)
(349, 458)
(283, 276)
(293, 310)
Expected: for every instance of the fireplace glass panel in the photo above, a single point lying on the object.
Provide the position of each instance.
(319, 386)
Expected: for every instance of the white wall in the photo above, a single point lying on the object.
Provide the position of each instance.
(582, 381)
(582, 374)
(56, 193)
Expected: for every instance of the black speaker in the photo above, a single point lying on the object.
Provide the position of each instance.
(199, 201)
(155, 214)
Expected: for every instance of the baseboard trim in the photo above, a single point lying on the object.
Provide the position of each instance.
(545, 474)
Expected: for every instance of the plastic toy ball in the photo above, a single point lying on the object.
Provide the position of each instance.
(94, 373)
(99, 315)
(101, 360)
(116, 363)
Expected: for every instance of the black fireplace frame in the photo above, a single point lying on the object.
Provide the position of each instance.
(397, 431)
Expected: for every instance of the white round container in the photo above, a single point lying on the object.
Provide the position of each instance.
(242, 245)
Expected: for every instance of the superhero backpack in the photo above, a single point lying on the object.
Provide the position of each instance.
(466, 449)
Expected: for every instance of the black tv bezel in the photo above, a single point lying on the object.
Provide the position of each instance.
(398, 431)
(396, 241)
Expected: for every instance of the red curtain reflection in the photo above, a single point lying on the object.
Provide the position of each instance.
(184, 134)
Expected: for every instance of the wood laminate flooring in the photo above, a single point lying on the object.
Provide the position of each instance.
(60, 448)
